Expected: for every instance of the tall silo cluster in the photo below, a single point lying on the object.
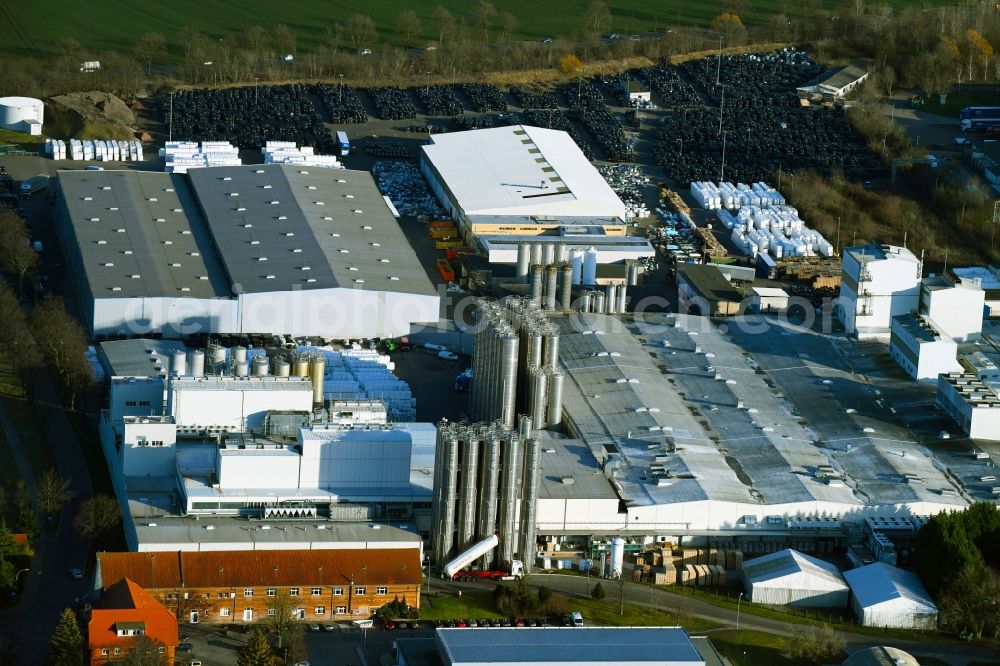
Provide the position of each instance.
(515, 364)
(486, 482)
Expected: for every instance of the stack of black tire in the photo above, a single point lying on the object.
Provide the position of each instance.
(392, 103)
(586, 106)
(440, 101)
(250, 116)
(484, 97)
(388, 149)
(342, 103)
(532, 100)
(669, 89)
(764, 127)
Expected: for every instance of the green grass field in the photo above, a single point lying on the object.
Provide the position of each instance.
(35, 28)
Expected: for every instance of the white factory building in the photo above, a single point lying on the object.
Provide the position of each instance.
(877, 284)
(974, 404)
(516, 171)
(233, 437)
(790, 578)
(916, 344)
(886, 596)
(22, 114)
(264, 249)
(988, 278)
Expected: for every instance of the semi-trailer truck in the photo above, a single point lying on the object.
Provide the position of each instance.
(979, 117)
(345, 145)
(456, 569)
(32, 185)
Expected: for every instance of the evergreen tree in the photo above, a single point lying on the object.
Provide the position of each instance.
(597, 592)
(66, 644)
(257, 651)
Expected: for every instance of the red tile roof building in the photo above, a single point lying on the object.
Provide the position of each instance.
(240, 586)
(125, 613)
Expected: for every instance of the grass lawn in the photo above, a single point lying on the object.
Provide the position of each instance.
(606, 612)
(750, 648)
(35, 28)
(20, 138)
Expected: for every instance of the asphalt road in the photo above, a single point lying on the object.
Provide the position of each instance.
(49, 588)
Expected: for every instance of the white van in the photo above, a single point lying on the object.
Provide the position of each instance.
(576, 619)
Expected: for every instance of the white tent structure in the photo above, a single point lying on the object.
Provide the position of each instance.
(886, 596)
(789, 578)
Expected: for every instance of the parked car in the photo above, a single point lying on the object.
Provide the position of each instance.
(313, 627)
(388, 624)
(184, 647)
(329, 627)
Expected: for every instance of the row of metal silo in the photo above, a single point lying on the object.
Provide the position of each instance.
(486, 482)
(193, 363)
(612, 299)
(494, 366)
(582, 262)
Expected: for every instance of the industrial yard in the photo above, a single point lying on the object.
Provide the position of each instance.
(651, 327)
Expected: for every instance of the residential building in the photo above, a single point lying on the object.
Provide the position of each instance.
(125, 613)
(241, 586)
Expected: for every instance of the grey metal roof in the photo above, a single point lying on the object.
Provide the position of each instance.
(140, 234)
(306, 228)
(550, 645)
(138, 357)
(569, 470)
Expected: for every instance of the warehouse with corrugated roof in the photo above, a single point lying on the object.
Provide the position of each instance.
(265, 249)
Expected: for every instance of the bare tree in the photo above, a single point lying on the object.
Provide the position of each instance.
(52, 491)
(508, 27)
(149, 47)
(596, 20)
(408, 27)
(63, 343)
(485, 17)
(16, 254)
(445, 22)
(97, 515)
(281, 619)
(144, 651)
(361, 31)
(284, 39)
(16, 332)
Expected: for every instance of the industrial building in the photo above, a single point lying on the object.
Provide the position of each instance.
(837, 82)
(988, 279)
(974, 404)
(790, 578)
(920, 348)
(22, 114)
(572, 646)
(886, 596)
(704, 290)
(954, 306)
(527, 183)
(505, 248)
(768, 299)
(878, 282)
(672, 430)
(516, 171)
(226, 587)
(312, 435)
(265, 249)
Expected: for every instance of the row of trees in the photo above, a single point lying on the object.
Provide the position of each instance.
(958, 558)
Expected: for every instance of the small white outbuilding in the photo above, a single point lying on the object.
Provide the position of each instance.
(789, 578)
(887, 596)
(22, 114)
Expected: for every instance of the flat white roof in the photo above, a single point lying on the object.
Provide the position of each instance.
(520, 170)
(771, 292)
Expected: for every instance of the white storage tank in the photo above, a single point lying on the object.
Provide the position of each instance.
(22, 114)
(590, 267)
(617, 556)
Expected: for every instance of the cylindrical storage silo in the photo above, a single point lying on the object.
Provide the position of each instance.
(178, 363)
(196, 363)
(562, 253)
(239, 354)
(539, 400)
(566, 297)
(555, 398)
(551, 284)
(317, 370)
(536, 253)
(260, 368)
(524, 426)
(622, 298)
(523, 261)
(632, 273)
(242, 369)
(548, 254)
(551, 359)
(599, 302)
(534, 351)
(617, 556)
(17, 112)
(536, 283)
(509, 345)
(590, 267)
(585, 301)
(576, 262)
(282, 368)
(302, 366)
(218, 355)
(610, 298)
(529, 498)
